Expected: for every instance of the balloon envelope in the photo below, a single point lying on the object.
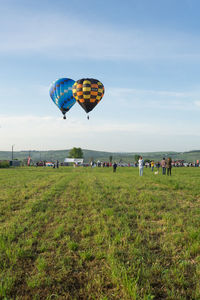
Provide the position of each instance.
(61, 94)
(88, 93)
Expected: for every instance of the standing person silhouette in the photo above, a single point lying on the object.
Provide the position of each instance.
(141, 166)
(57, 164)
(163, 165)
(114, 167)
(152, 165)
(169, 166)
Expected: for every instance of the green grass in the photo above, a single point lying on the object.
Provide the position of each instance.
(93, 234)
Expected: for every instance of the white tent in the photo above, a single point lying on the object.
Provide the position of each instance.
(73, 160)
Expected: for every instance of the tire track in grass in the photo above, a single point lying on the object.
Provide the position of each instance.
(155, 258)
(79, 259)
(112, 280)
(19, 241)
(116, 232)
(179, 243)
(112, 211)
(62, 283)
(73, 271)
(92, 252)
(152, 244)
(88, 268)
(16, 200)
(125, 237)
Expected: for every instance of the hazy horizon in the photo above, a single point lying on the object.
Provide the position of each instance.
(124, 152)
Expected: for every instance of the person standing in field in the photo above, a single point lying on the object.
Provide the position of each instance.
(169, 166)
(152, 165)
(57, 164)
(114, 167)
(163, 165)
(141, 165)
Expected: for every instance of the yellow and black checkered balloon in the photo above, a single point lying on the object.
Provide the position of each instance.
(88, 93)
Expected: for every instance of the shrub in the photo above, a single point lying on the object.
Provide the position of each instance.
(4, 164)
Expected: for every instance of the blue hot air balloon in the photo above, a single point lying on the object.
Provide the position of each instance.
(61, 94)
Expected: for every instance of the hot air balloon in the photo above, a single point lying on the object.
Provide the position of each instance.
(88, 93)
(61, 94)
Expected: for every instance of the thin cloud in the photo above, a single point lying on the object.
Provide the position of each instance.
(117, 91)
(61, 36)
(33, 132)
(154, 99)
(45, 125)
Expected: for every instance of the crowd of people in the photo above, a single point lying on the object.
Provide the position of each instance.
(48, 164)
(104, 164)
(165, 164)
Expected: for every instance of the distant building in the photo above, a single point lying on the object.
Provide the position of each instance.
(77, 161)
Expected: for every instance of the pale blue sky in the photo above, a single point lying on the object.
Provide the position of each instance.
(146, 53)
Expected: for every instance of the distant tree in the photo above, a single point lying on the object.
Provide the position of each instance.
(137, 157)
(110, 158)
(76, 153)
(147, 160)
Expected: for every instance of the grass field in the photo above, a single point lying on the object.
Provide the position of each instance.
(92, 234)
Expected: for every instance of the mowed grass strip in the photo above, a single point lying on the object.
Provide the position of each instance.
(19, 186)
(165, 264)
(18, 239)
(99, 235)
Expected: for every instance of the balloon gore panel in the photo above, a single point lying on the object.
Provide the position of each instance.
(88, 93)
(61, 94)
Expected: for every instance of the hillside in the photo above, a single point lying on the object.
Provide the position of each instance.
(101, 155)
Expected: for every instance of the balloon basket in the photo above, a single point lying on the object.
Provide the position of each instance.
(64, 117)
(88, 117)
